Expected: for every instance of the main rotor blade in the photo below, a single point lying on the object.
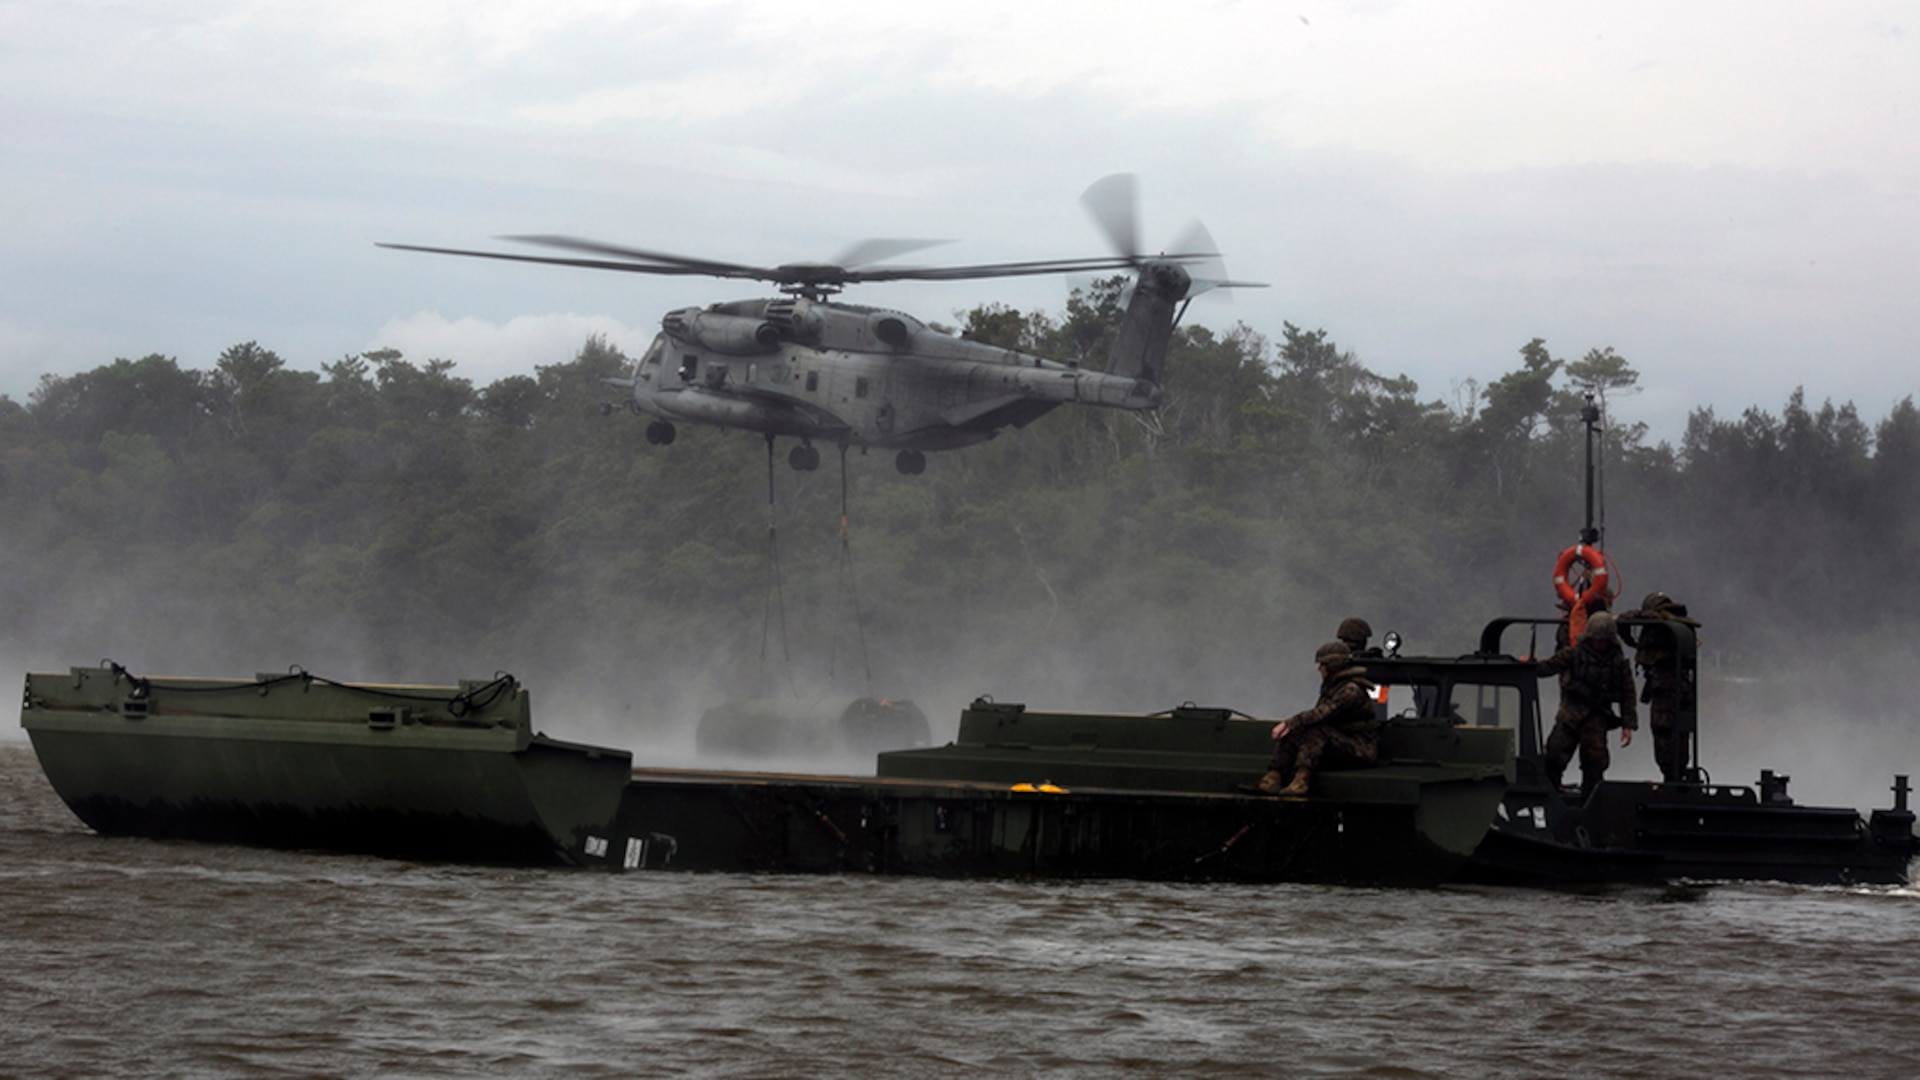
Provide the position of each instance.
(596, 247)
(593, 264)
(1015, 269)
(872, 251)
(1114, 204)
(642, 261)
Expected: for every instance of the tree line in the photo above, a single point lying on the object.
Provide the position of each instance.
(386, 518)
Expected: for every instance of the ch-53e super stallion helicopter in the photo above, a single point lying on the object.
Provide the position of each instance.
(805, 366)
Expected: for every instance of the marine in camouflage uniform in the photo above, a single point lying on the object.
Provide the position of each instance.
(1339, 728)
(1354, 633)
(1660, 688)
(1563, 634)
(1595, 677)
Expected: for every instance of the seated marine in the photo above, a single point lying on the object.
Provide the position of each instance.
(1339, 729)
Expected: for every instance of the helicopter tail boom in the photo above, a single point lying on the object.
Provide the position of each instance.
(1140, 349)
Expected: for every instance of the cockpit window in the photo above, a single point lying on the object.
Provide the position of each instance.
(650, 362)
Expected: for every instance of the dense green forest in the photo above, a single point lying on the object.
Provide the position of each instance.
(384, 518)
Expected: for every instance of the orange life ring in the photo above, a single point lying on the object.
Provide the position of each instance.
(1596, 561)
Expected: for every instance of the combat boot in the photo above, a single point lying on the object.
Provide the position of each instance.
(1270, 784)
(1588, 782)
(1298, 788)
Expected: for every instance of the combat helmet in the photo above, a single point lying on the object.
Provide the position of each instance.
(1666, 607)
(1599, 625)
(1334, 654)
(1354, 632)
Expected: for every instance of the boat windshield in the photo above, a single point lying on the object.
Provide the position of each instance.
(1479, 704)
(1485, 705)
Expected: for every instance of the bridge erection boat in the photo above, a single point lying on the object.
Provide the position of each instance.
(457, 773)
(1638, 830)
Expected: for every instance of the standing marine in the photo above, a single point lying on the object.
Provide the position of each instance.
(1573, 619)
(1661, 685)
(1595, 678)
(1339, 729)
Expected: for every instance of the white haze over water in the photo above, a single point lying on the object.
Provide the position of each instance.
(1839, 751)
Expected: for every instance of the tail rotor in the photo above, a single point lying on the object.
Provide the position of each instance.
(1114, 204)
(1162, 285)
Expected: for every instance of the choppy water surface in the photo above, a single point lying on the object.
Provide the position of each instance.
(136, 958)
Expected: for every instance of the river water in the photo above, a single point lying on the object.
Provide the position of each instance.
(138, 958)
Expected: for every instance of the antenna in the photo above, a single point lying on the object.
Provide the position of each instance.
(1590, 416)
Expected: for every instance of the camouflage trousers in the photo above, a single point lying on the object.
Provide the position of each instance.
(1305, 748)
(1588, 732)
(1668, 751)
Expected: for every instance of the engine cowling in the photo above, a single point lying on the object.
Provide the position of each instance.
(799, 317)
(730, 335)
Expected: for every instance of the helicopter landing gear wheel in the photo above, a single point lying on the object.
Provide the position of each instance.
(803, 458)
(659, 433)
(910, 462)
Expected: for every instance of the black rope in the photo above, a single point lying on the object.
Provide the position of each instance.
(776, 596)
(472, 701)
(847, 587)
(1193, 706)
(463, 703)
(141, 688)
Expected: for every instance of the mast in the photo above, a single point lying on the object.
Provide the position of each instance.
(1590, 416)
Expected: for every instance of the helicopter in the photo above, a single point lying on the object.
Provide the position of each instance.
(807, 366)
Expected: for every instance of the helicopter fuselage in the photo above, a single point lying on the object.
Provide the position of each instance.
(855, 375)
(803, 366)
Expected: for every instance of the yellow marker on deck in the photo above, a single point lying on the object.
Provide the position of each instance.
(1044, 787)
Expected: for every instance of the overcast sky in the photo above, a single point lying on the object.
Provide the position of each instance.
(1725, 193)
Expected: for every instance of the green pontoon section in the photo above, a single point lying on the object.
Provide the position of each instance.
(1023, 793)
(1189, 749)
(433, 772)
(456, 773)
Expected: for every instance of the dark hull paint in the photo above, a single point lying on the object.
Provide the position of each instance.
(698, 820)
(1029, 793)
(1642, 831)
(478, 806)
(303, 767)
